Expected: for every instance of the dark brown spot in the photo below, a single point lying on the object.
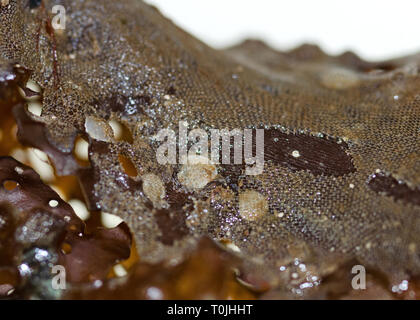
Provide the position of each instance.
(176, 199)
(306, 152)
(124, 105)
(382, 183)
(171, 221)
(98, 147)
(171, 90)
(296, 152)
(116, 104)
(34, 3)
(172, 225)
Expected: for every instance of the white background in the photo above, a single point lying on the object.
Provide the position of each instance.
(373, 29)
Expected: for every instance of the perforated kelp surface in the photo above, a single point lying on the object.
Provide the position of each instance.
(341, 181)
